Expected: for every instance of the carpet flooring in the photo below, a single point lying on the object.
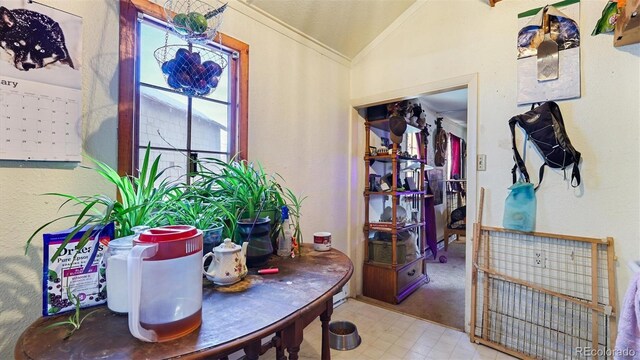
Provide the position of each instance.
(442, 299)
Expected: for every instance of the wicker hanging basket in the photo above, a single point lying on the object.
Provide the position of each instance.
(192, 72)
(195, 20)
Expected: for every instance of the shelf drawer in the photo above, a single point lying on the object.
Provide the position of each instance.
(409, 274)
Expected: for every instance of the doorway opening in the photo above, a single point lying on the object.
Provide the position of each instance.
(450, 176)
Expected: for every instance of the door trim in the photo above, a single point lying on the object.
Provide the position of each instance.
(356, 206)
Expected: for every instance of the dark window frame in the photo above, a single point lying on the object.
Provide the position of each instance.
(129, 99)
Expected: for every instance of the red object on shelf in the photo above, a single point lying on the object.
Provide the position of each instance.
(268, 271)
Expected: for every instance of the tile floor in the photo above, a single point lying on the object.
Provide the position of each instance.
(388, 335)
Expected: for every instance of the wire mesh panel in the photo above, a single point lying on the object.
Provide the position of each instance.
(543, 296)
(455, 209)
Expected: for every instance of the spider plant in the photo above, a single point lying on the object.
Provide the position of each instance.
(295, 206)
(139, 200)
(185, 207)
(74, 321)
(241, 189)
(243, 185)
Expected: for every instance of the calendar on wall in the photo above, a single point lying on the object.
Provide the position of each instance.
(39, 122)
(40, 83)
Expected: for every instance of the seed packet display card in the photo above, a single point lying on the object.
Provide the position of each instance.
(77, 274)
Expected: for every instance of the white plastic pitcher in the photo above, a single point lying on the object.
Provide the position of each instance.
(165, 283)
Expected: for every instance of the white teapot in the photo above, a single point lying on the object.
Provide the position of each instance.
(229, 264)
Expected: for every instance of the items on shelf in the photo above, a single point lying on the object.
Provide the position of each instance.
(394, 256)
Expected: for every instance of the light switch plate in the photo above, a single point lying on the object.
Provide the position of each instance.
(482, 162)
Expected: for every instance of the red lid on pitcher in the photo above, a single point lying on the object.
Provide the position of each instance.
(173, 241)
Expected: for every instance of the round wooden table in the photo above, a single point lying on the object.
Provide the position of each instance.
(233, 318)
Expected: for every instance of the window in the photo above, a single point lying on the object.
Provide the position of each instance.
(176, 125)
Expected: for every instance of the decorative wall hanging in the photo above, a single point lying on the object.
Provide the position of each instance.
(607, 21)
(40, 82)
(549, 53)
(627, 29)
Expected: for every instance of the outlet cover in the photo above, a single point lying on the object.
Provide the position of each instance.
(539, 259)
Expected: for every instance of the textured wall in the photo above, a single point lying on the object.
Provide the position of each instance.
(22, 209)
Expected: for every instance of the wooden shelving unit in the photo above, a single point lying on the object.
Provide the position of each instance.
(394, 264)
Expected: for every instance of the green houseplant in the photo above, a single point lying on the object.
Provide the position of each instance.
(251, 200)
(249, 196)
(139, 199)
(294, 204)
(190, 205)
(245, 186)
(138, 203)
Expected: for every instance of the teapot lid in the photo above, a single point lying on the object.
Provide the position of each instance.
(227, 246)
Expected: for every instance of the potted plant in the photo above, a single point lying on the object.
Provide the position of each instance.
(250, 196)
(295, 212)
(139, 199)
(252, 199)
(138, 203)
(187, 205)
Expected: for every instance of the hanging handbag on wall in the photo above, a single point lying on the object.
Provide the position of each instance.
(520, 207)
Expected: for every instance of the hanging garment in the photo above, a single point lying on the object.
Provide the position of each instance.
(455, 157)
(430, 219)
(628, 341)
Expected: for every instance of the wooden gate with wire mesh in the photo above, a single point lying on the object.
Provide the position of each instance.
(543, 296)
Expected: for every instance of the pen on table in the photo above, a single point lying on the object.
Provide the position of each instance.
(268, 271)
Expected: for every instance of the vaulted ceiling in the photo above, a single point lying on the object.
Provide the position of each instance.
(346, 26)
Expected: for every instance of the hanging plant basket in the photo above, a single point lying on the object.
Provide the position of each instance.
(192, 72)
(194, 20)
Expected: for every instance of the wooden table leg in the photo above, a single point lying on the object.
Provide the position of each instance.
(292, 338)
(280, 348)
(252, 350)
(325, 317)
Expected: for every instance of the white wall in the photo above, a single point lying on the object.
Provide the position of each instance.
(298, 127)
(298, 117)
(446, 39)
(22, 209)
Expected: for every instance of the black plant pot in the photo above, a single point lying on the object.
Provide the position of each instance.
(256, 232)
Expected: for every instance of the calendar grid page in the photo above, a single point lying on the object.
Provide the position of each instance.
(39, 122)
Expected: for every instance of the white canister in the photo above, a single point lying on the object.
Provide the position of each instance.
(322, 241)
(116, 274)
(115, 260)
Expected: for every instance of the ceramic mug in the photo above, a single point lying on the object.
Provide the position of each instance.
(322, 241)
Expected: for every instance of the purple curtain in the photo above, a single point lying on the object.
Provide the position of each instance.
(455, 156)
